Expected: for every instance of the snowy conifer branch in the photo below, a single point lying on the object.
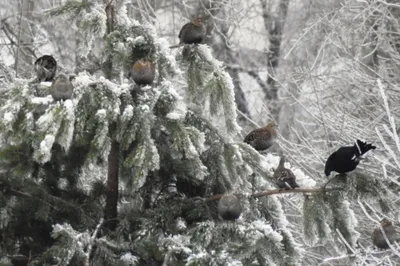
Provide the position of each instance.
(297, 190)
(279, 191)
(91, 242)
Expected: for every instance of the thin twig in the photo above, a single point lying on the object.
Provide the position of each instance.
(89, 250)
(277, 191)
(19, 39)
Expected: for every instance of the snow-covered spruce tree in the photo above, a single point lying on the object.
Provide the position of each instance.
(118, 174)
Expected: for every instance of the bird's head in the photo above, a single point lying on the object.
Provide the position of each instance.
(386, 222)
(62, 77)
(198, 21)
(142, 64)
(271, 125)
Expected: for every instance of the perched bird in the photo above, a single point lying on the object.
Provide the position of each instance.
(143, 72)
(262, 138)
(229, 207)
(192, 32)
(61, 88)
(284, 177)
(346, 159)
(390, 232)
(45, 68)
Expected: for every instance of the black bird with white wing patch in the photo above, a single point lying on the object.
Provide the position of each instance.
(346, 159)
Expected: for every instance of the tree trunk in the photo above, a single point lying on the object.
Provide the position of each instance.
(110, 211)
(274, 25)
(111, 208)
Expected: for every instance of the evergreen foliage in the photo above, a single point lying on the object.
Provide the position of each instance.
(173, 155)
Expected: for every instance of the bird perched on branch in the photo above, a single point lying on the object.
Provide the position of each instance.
(143, 72)
(262, 138)
(229, 207)
(192, 33)
(284, 177)
(390, 232)
(45, 68)
(61, 88)
(346, 159)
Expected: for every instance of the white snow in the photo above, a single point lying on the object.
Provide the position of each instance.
(46, 83)
(83, 78)
(128, 112)
(180, 223)
(266, 230)
(45, 120)
(8, 117)
(69, 118)
(180, 109)
(137, 40)
(179, 112)
(45, 147)
(42, 100)
(128, 257)
(101, 113)
(62, 183)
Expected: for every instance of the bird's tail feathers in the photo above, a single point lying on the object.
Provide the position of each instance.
(363, 147)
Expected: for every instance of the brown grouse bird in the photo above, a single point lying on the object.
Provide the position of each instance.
(284, 177)
(192, 33)
(143, 72)
(346, 159)
(262, 138)
(390, 232)
(45, 68)
(229, 207)
(61, 88)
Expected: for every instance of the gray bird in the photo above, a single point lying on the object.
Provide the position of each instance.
(262, 138)
(284, 177)
(192, 32)
(229, 207)
(61, 88)
(45, 68)
(143, 72)
(390, 232)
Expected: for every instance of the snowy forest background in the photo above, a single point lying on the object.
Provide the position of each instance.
(326, 72)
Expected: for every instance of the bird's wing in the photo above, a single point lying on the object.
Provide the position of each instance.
(253, 135)
(183, 29)
(286, 174)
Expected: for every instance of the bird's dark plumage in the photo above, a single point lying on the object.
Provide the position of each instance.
(45, 68)
(390, 232)
(192, 33)
(61, 88)
(346, 159)
(262, 138)
(284, 177)
(229, 207)
(143, 72)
